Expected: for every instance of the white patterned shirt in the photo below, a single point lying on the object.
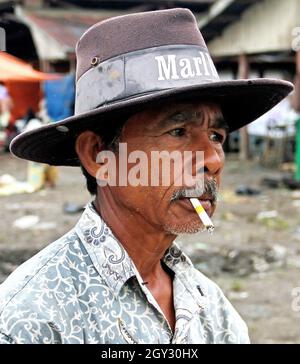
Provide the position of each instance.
(84, 288)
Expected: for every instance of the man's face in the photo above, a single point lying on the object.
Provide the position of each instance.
(191, 127)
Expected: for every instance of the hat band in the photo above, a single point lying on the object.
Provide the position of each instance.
(149, 70)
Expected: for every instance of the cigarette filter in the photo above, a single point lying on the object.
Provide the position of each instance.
(202, 214)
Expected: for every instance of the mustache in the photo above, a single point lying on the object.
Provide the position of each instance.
(209, 190)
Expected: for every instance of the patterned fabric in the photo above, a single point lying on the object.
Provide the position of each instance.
(84, 288)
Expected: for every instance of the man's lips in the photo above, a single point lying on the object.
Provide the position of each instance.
(186, 203)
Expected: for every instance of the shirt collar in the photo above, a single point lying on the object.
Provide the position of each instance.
(110, 258)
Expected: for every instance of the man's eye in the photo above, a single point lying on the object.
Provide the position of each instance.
(217, 137)
(178, 132)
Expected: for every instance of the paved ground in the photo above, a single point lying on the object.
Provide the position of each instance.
(263, 290)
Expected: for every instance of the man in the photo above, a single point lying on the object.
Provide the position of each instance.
(144, 81)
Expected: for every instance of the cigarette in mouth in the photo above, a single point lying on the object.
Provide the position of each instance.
(202, 214)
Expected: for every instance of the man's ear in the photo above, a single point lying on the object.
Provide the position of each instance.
(88, 145)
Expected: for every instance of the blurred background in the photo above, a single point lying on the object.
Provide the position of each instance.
(254, 253)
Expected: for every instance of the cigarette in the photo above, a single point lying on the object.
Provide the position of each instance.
(202, 214)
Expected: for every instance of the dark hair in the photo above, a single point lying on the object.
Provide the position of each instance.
(91, 182)
(110, 136)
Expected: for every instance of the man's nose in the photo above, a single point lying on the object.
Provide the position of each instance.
(213, 159)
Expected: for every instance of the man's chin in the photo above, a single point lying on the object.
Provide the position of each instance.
(191, 227)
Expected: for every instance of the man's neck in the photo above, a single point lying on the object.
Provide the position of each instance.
(145, 244)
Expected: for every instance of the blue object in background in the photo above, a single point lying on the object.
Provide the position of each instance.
(59, 95)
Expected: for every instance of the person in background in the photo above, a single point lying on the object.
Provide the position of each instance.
(39, 175)
(5, 107)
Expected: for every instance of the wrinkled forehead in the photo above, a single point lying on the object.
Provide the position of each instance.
(171, 114)
(196, 113)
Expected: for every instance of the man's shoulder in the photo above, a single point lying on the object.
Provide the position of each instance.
(218, 307)
(42, 300)
(37, 299)
(206, 286)
(185, 267)
(210, 289)
(47, 264)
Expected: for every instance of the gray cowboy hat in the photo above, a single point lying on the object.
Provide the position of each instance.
(130, 62)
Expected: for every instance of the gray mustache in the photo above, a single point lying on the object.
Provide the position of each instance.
(210, 190)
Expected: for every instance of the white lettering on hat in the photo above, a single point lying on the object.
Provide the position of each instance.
(186, 68)
(211, 65)
(169, 67)
(197, 61)
(204, 64)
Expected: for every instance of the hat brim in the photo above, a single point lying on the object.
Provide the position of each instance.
(241, 101)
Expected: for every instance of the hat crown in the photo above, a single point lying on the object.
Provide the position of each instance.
(132, 32)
